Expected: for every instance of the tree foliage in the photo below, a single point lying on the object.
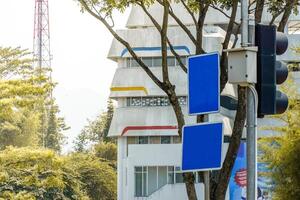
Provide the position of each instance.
(282, 151)
(96, 131)
(28, 117)
(107, 151)
(37, 174)
(98, 176)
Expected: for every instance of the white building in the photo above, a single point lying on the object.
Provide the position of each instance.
(149, 149)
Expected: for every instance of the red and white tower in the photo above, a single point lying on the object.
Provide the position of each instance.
(41, 38)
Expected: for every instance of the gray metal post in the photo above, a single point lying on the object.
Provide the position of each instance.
(251, 115)
(206, 185)
(244, 14)
(251, 145)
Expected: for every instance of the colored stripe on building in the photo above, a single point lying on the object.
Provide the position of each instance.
(125, 89)
(185, 48)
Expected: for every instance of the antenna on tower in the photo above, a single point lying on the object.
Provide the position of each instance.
(41, 38)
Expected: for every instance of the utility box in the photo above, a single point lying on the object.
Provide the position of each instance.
(242, 65)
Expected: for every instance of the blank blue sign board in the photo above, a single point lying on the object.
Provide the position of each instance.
(203, 84)
(202, 147)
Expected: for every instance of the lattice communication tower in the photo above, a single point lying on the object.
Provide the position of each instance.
(41, 38)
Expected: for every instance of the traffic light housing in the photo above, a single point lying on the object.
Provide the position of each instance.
(269, 71)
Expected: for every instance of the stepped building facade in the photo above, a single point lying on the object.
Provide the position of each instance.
(149, 148)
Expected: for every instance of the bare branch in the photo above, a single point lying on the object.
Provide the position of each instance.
(236, 37)
(189, 11)
(164, 49)
(259, 10)
(224, 76)
(203, 8)
(239, 123)
(158, 27)
(222, 11)
(125, 43)
(181, 24)
(287, 12)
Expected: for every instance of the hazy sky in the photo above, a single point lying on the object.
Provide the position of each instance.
(79, 45)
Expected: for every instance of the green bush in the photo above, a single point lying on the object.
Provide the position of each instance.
(37, 174)
(99, 178)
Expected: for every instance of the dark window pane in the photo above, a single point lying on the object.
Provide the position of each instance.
(162, 176)
(171, 175)
(138, 169)
(128, 62)
(165, 140)
(183, 60)
(176, 140)
(171, 169)
(128, 101)
(179, 178)
(171, 61)
(147, 61)
(145, 184)
(143, 140)
(157, 62)
(152, 179)
(171, 178)
(138, 185)
(134, 63)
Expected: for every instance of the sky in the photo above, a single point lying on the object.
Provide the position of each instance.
(79, 45)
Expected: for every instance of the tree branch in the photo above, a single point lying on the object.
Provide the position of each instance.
(259, 10)
(224, 76)
(221, 11)
(189, 11)
(203, 8)
(220, 187)
(287, 12)
(158, 27)
(181, 24)
(125, 43)
(164, 49)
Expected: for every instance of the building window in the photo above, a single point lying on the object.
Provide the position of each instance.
(165, 139)
(153, 101)
(154, 139)
(171, 61)
(178, 175)
(149, 179)
(176, 140)
(155, 61)
(171, 177)
(140, 181)
(143, 140)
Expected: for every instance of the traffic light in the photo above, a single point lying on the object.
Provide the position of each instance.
(269, 71)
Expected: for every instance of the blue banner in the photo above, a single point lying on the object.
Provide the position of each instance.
(238, 179)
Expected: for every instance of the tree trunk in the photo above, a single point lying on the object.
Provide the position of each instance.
(218, 191)
(189, 179)
(259, 10)
(287, 12)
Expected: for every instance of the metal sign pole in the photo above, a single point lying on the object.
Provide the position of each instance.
(251, 116)
(206, 185)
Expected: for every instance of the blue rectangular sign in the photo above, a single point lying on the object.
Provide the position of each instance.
(202, 147)
(204, 84)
